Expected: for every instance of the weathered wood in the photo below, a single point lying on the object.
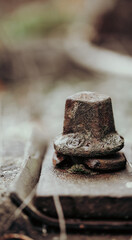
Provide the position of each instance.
(25, 181)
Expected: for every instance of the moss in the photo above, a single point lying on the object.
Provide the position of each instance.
(80, 168)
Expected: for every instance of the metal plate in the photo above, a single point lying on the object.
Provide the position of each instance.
(101, 196)
(19, 191)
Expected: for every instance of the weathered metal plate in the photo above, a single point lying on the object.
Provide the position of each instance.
(19, 192)
(102, 196)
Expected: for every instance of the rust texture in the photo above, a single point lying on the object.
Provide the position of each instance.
(89, 132)
(89, 112)
(106, 196)
(108, 163)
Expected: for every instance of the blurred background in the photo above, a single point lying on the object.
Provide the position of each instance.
(50, 49)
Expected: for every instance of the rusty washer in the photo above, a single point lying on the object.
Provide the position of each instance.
(89, 128)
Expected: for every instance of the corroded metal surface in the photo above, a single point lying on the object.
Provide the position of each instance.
(102, 196)
(71, 188)
(113, 162)
(89, 128)
(89, 132)
(79, 144)
(110, 163)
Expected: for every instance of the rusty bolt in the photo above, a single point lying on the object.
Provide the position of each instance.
(89, 129)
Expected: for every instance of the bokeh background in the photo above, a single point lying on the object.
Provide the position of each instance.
(51, 49)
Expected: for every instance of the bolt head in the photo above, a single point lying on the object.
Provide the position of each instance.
(89, 128)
